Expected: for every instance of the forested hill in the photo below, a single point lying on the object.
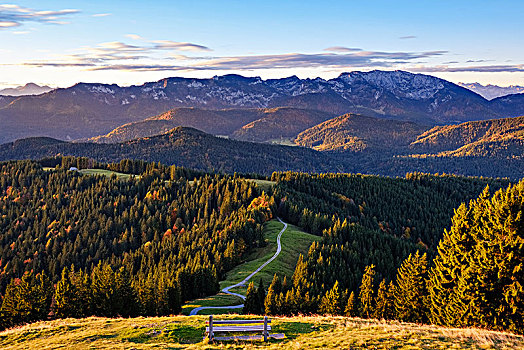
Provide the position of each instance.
(250, 124)
(357, 133)
(185, 147)
(468, 138)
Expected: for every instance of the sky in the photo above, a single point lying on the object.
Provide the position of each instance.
(60, 43)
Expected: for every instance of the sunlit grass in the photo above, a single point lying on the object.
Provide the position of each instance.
(107, 173)
(301, 333)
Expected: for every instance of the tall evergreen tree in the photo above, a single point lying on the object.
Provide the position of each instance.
(261, 297)
(381, 301)
(410, 289)
(272, 302)
(66, 297)
(331, 303)
(366, 292)
(351, 308)
(483, 286)
(251, 301)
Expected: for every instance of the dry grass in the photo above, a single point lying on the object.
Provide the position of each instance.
(301, 333)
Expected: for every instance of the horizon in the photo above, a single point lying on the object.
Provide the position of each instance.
(15, 86)
(59, 43)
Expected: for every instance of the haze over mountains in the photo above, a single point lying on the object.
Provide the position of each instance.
(90, 110)
(27, 89)
(492, 91)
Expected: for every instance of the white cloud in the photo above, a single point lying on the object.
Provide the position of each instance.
(134, 36)
(101, 14)
(14, 15)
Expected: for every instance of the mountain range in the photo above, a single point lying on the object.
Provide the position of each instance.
(27, 89)
(90, 110)
(493, 91)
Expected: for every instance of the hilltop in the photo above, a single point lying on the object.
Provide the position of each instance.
(302, 332)
(495, 138)
(357, 133)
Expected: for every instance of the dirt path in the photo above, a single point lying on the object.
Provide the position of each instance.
(244, 281)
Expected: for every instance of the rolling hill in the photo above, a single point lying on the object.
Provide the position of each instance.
(494, 138)
(251, 124)
(185, 147)
(357, 133)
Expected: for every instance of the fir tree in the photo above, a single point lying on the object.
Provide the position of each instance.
(271, 303)
(410, 289)
(477, 278)
(250, 303)
(366, 292)
(331, 302)
(261, 297)
(66, 297)
(381, 301)
(351, 309)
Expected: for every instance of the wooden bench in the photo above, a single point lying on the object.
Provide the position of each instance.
(244, 326)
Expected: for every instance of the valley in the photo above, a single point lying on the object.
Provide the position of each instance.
(263, 174)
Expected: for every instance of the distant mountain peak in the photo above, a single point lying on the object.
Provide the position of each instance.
(25, 90)
(492, 91)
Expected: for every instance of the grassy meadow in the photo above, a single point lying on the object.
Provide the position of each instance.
(294, 242)
(181, 332)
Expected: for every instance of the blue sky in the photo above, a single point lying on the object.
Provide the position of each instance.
(60, 43)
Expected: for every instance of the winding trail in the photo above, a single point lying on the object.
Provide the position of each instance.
(244, 281)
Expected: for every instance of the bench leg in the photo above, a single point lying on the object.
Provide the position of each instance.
(265, 328)
(211, 328)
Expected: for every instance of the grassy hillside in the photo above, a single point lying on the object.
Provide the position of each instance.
(294, 242)
(301, 333)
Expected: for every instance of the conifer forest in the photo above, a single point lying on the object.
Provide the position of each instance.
(439, 249)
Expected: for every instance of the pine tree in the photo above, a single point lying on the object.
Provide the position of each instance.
(271, 303)
(381, 301)
(389, 313)
(477, 279)
(250, 303)
(351, 309)
(331, 302)
(10, 304)
(261, 297)
(103, 290)
(28, 299)
(366, 292)
(66, 297)
(410, 289)
(125, 303)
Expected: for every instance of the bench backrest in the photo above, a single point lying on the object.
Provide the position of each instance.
(238, 326)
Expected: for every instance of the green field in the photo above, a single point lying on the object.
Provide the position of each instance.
(107, 173)
(284, 141)
(301, 333)
(294, 242)
(263, 184)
